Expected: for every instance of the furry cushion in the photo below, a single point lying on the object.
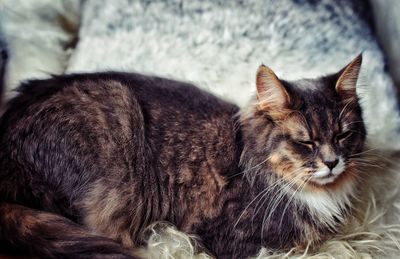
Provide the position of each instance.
(387, 19)
(218, 45)
(37, 33)
(3, 61)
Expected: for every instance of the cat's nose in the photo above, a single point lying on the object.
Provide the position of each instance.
(331, 164)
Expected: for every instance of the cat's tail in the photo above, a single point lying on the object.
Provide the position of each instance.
(46, 235)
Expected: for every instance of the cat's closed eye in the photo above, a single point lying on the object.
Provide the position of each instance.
(308, 143)
(343, 135)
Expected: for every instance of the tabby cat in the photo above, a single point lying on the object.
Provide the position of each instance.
(88, 161)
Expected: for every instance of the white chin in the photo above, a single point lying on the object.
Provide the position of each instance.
(324, 180)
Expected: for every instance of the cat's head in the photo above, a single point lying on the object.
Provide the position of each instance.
(307, 132)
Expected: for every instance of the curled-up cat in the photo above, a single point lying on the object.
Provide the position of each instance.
(88, 161)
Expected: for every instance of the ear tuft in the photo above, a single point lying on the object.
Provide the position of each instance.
(348, 76)
(271, 94)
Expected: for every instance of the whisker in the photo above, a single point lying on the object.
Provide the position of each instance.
(301, 187)
(363, 152)
(271, 188)
(245, 209)
(250, 169)
(344, 109)
(382, 157)
(369, 165)
(276, 202)
(257, 165)
(350, 123)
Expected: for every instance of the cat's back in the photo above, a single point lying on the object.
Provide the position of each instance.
(93, 107)
(112, 88)
(92, 113)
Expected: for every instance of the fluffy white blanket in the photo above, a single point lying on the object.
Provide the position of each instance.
(218, 45)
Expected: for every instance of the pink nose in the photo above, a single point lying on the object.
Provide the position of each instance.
(331, 164)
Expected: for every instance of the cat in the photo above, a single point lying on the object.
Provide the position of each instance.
(88, 161)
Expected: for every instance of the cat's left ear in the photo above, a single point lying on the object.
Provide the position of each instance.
(348, 76)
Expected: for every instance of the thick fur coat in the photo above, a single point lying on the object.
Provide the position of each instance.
(213, 45)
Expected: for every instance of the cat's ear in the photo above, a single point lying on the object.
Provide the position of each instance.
(272, 95)
(348, 76)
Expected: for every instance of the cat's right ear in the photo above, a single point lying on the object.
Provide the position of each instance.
(272, 95)
(348, 76)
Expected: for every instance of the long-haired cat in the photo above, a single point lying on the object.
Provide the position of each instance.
(88, 161)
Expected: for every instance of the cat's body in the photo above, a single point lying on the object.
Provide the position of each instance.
(116, 152)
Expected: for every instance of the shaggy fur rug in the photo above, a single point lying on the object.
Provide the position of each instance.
(218, 45)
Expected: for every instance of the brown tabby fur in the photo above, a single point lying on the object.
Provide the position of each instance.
(87, 161)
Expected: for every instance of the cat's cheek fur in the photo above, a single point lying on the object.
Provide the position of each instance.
(340, 167)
